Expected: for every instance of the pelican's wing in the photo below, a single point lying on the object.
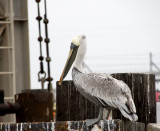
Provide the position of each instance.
(113, 92)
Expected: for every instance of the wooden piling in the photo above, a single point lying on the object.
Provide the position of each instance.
(35, 106)
(143, 92)
(71, 105)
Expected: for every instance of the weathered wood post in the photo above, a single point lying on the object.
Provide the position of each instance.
(35, 106)
(143, 92)
(71, 105)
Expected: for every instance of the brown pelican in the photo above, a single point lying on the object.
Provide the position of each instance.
(101, 89)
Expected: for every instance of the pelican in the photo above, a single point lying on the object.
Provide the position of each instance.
(101, 89)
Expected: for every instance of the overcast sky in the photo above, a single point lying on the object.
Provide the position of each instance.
(111, 27)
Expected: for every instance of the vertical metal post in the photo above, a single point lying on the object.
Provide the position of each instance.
(13, 78)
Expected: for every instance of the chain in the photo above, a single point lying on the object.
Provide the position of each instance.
(41, 58)
(48, 58)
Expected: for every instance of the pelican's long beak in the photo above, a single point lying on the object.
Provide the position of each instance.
(70, 60)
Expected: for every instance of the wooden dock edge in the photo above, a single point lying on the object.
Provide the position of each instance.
(104, 125)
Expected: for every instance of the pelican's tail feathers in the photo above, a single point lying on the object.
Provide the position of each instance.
(131, 116)
(135, 117)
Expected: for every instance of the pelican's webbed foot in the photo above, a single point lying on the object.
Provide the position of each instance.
(90, 122)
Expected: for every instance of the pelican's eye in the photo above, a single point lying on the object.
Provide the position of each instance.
(83, 37)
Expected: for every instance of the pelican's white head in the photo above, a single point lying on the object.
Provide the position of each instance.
(82, 43)
(78, 40)
(77, 52)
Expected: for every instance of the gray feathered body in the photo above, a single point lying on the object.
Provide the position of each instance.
(105, 91)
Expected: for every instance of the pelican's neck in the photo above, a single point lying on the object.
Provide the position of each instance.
(80, 57)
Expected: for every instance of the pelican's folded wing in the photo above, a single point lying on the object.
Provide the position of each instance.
(113, 92)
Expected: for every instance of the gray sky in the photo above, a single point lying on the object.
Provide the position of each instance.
(111, 27)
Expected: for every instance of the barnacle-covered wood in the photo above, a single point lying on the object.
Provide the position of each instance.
(104, 125)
